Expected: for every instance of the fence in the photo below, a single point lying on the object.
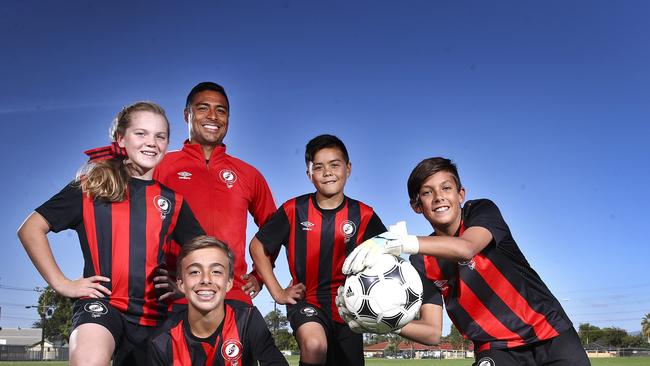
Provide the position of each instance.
(22, 353)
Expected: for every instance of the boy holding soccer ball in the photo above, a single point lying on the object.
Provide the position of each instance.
(318, 231)
(491, 293)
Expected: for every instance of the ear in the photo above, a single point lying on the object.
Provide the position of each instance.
(120, 141)
(229, 284)
(349, 165)
(462, 195)
(310, 174)
(180, 284)
(186, 114)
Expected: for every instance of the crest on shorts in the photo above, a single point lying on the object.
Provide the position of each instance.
(228, 176)
(163, 205)
(231, 351)
(96, 309)
(486, 361)
(471, 264)
(348, 229)
(308, 311)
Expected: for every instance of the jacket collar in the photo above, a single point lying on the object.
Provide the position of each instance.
(196, 151)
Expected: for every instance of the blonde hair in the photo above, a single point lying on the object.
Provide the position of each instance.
(108, 179)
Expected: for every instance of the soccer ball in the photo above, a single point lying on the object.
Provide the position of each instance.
(384, 297)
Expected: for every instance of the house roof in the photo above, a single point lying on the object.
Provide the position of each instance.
(407, 346)
(20, 336)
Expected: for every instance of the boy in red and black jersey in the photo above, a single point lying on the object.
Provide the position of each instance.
(212, 331)
(318, 230)
(490, 291)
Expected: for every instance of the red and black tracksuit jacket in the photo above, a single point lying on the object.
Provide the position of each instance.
(125, 241)
(317, 242)
(241, 339)
(495, 299)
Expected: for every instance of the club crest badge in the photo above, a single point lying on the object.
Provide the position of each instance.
(308, 311)
(228, 176)
(486, 361)
(231, 351)
(163, 205)
(471, 264)
(348, 229)
(96, 309)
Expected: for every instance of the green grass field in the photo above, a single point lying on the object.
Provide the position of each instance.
(293, 361)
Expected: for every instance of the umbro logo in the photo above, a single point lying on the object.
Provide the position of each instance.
(307, 226)
(184, 175)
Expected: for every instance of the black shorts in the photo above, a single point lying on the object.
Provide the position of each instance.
(131, 340)
(344, 347)
(563, 350)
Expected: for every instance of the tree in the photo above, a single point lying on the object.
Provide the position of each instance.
(613, 336)
(456, 339)
(589, 333)
(57, 327)
(277, 323)
(645, 327)
(276, 320)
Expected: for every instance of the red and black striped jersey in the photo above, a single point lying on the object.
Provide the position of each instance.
(495, 299)
(241, 339)
(125, 241)
(317, 242)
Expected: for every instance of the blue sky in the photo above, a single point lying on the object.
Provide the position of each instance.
(543, 105)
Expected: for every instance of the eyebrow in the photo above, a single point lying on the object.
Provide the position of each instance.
(216, 264)
(329, 162)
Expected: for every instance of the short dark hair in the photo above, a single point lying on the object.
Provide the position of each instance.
(202, 242)
(203, 86)
(424, 170)
(321, 142)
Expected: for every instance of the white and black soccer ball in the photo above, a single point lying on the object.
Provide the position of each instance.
(384, 297)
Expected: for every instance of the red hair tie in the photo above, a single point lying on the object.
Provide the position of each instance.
(106, 152)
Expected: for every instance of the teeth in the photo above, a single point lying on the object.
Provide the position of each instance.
(149, 153)
(441, 209)
(211, 127)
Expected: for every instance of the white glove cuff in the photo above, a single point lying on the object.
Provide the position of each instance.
(411, 245)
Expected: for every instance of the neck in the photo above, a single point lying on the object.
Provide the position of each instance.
(137, 172)
(448, 230)
(330, 202)
(204, 325)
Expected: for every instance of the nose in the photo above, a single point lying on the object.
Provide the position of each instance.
(205, 279)
(212, 114)
(150, 140)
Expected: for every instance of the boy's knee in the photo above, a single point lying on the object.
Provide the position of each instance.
(89, 359)
(314, 346)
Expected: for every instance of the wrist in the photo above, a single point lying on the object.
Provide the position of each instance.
(410, 244)
(257, 276)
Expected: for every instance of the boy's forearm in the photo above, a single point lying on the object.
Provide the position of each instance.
(426, 330)
(264, 267)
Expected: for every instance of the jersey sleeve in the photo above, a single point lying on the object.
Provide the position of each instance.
(486, 214)
(430, 293)
(275, 232)
(65, 209)
(375, 227)
(187, 227)
(262, 206)
(264, 350)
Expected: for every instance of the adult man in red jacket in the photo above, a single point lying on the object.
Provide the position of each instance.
(220, 189)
